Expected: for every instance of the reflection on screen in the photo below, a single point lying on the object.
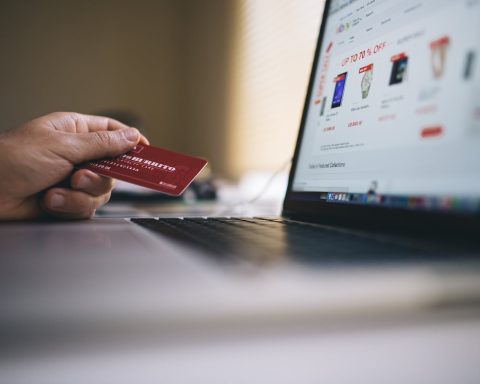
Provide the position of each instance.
(394, 114)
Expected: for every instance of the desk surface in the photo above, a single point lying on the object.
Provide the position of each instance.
(445, 349)
(437, 346)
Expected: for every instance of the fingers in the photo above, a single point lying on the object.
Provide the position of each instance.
(100, 123)
(72, 204)
(82, 147)
(90, 191)
(91, 183)
(79, 123)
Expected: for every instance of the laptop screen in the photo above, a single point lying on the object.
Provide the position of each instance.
(393, 117)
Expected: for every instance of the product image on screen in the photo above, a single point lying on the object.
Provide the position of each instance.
(439, 56)
(399, 69)
(339, 90)
(469, 64)
(322, 108)
(366, 80)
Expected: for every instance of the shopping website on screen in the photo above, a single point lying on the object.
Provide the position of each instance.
(395, 104)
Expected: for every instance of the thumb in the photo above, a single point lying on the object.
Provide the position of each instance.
(100, 144)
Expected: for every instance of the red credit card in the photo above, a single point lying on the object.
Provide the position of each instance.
(156, 168)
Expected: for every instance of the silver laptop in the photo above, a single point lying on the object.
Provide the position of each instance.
(380, 215)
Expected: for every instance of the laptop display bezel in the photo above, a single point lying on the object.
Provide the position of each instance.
(358, 214)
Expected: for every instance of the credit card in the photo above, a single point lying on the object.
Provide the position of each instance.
(151, 167)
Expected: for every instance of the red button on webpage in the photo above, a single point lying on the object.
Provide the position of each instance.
(432, 131)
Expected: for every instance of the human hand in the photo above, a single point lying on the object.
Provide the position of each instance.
(40, 154)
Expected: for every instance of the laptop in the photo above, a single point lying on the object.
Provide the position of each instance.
(380, 216)
(388, 139)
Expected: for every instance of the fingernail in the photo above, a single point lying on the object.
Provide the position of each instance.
(83, 182)
(131, 134)
(57, 201)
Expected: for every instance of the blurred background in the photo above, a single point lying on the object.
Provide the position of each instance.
(225, 80)
(221, 79)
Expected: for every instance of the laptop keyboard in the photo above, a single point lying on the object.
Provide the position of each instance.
(273, 239)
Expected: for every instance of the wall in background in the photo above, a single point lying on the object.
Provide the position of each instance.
(274, 44)
(206, 36)
(88, 56)
(223, 79)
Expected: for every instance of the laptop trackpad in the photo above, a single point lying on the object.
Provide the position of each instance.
(99, 250)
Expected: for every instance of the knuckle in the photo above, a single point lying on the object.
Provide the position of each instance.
(105, 122)
(57, 115)
(103, 138)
